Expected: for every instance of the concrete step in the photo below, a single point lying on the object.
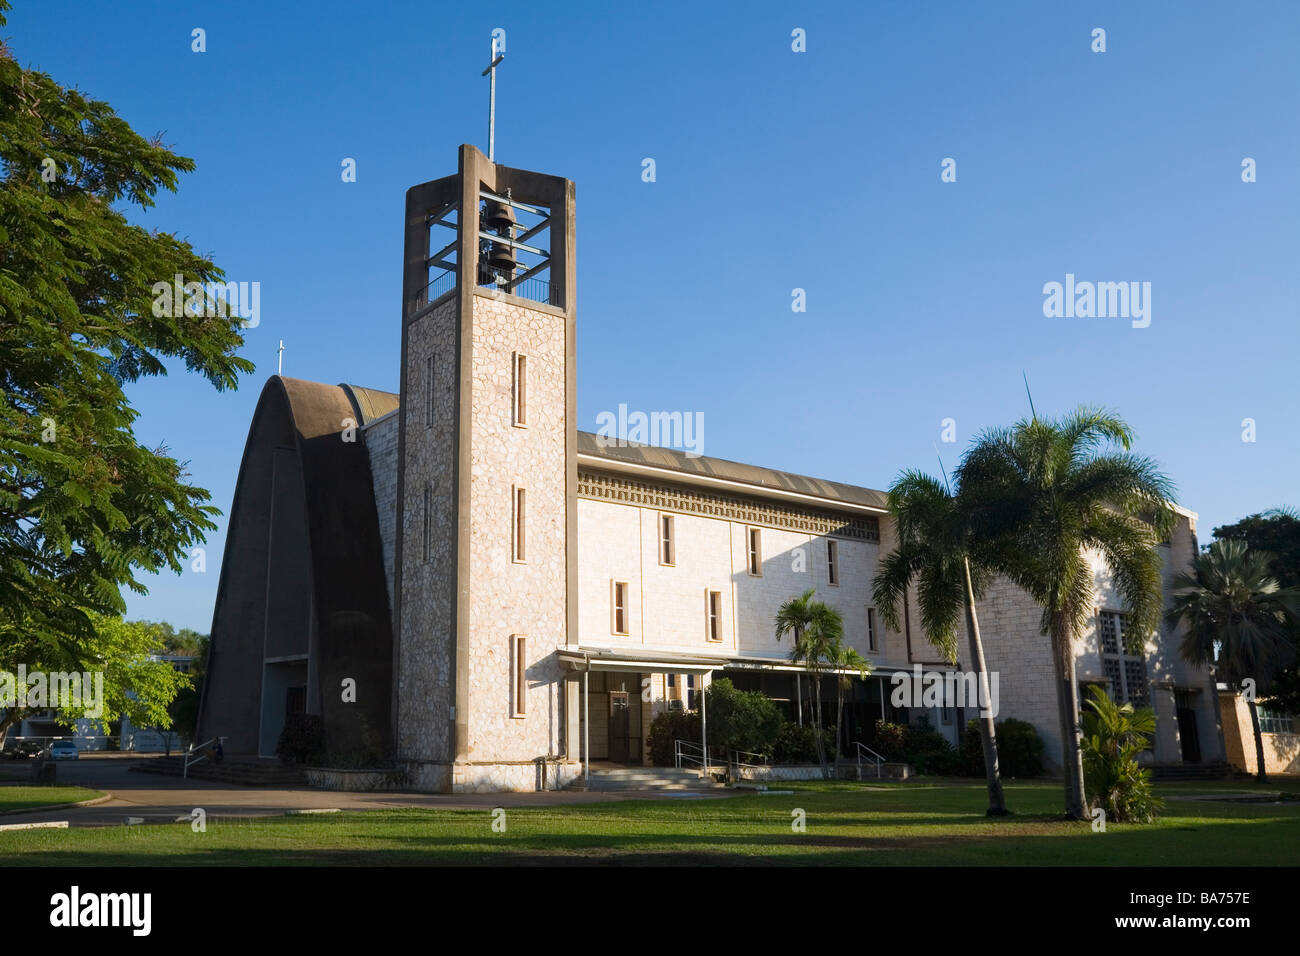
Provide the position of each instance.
(245, 771)
(643, 778)
(1171, 773)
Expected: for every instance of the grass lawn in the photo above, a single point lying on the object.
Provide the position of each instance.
(888, 824)
(19, 797)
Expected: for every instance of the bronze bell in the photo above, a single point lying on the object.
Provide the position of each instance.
(502, 258)
(498, 217)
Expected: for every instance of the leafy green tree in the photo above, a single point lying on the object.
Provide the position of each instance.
(184, 709)
(1238, 621)
(85, 508)
(741, 720)
(1041, 493)
(1113, 736)
(134, 685)
(933, 548)
(817, 630)
(1276, 533)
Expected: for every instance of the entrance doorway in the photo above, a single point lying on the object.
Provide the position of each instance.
(1187, 732)
(617, 717)
(620, 742)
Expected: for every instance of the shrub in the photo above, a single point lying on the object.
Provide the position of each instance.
(1113, 736)
(937, 763)
(928, 751)
(669, 726)
(1020, 749)
(972, 752)
(796, 744)
(363, 750)
(302, 740)
(745, 720)
(891, 740)
(922, 740)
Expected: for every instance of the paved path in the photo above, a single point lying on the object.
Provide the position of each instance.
(162, 799)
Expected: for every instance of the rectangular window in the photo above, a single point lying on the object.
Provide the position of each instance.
(871, 629)
(690, 691)
(1123, 660)
(428, 392)
(519, 537)
(520, 362)
(1272, 721)
(427, 529)
(755, 553)
(832, 565)
(667, 547)
(519, 672)
(618, 608)
(714, 612)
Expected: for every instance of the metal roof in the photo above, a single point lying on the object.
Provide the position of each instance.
(762, 479)
(372, 403)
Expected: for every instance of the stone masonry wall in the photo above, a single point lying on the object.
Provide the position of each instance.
(507, 597)
(426, 649)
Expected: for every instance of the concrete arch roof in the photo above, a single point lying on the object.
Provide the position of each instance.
(298, 453)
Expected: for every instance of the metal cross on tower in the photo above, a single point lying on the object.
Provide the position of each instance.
(498, 44)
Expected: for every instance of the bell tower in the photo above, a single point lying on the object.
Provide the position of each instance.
(485, 569)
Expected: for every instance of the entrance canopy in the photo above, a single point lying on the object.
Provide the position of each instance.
(604, 659)
(610, 659)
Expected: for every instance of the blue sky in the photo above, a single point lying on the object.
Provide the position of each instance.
(775, 170)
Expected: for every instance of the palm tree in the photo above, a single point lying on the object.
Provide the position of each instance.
(843, 658)
(817, 629)
(933, 548)
(1238, 620)
(794, 617)
(1113, 736)
(1043, 492)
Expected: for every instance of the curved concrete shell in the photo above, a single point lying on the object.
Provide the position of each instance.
(302, 604)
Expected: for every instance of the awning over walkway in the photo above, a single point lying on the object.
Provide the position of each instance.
(602, 659)
(609, 659)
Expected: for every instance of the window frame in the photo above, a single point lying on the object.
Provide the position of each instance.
(426, 529)
(712, 616)
(1270, 720)
(667, 540)
(872, 646)
(518, 676)
(518, 524)
(753, 551)
(519, 389)
(1120, 693)
(614, 585)
(832, 563)
(430, 377)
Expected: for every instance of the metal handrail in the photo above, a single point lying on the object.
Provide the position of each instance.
(878, 761)
(762, 759)
(190, 760)
(691, 752)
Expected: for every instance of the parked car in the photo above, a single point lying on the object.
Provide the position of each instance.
(62, 750)
(21, 750)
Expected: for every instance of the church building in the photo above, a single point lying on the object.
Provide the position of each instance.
(457, 579)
